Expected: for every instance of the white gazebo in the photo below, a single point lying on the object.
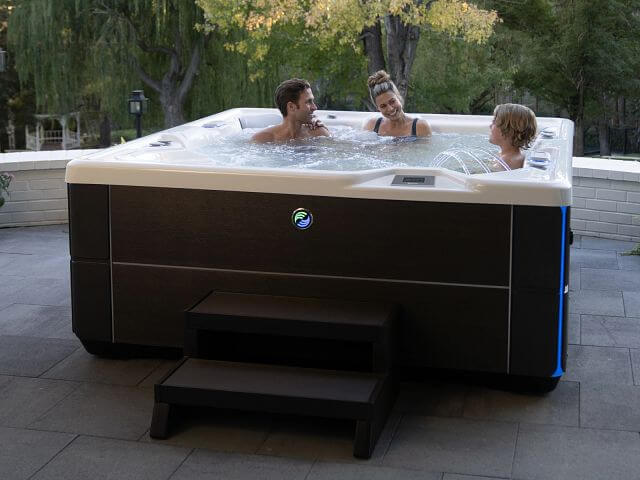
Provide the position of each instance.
(63, 138)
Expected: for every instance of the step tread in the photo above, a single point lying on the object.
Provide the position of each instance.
(275, 380)
(296, 309)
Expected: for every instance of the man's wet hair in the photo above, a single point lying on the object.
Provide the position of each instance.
(289, 91)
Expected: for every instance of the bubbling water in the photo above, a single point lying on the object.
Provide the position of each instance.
(349, 149)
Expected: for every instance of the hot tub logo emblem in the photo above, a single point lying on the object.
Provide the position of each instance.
(302, 218)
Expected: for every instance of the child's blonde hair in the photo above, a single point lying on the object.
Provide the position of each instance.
(516, 122)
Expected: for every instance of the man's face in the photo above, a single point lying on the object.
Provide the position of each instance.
(305, 107)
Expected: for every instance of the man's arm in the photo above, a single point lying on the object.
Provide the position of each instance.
(317, 129)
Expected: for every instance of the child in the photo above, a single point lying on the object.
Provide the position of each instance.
(514, 127)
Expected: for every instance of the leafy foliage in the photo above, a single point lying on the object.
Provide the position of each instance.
(329, 24)
(587, 49)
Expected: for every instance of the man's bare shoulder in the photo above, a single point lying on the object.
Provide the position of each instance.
(264, 136)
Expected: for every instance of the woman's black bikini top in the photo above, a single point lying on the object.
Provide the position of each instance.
(413, 127)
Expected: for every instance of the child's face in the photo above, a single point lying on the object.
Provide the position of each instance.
(495, 135)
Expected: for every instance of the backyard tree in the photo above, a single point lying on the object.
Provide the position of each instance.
(357, 23)
(163, 33)
(104, 47)
(586, 56)
(16, 100)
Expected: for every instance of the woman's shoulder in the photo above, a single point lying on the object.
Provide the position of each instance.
(423, 128)
(370, 123)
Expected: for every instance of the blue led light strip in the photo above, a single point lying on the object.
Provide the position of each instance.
(559, 370)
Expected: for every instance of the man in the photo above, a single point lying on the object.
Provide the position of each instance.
(294, 99)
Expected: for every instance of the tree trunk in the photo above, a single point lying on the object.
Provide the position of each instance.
(105, 131)
(622, 111)
(372, 42)
(177, 80)
(603, 138)
(172, 108)
(575, 109)
(578, 137)
(477, 104)
(402, 42)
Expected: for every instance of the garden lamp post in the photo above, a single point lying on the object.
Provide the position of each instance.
(137, 106)
(3, 60)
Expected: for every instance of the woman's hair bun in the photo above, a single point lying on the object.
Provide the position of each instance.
(379, 77)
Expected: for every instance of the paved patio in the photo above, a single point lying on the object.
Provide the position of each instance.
(67, 415)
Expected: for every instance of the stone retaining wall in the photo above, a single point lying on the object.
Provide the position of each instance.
(606, 198)
(37, 194)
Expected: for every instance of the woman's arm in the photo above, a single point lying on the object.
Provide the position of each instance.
(422, 128)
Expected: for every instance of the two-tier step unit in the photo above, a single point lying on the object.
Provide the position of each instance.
(292, 355)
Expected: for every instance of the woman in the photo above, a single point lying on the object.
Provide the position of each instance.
(394, 122)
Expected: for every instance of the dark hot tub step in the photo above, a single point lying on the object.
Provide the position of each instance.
(363, 397)
(291, 316)
(252, 317)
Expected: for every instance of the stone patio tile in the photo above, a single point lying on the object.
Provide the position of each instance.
(213, 429)
(61, 229)
(156, 375)
(629, 262)
(586, 257)
(103, 411)
(573, 331)
(610, 331)
(574, 277)
(322, 438)
(607, 279)
(10, 285)
(343, 471)
(203, 465)
(568, 453)
(454, 476)
(43, 266)
(610, 406)
(36, 321)
(596, 302)
(454, 445)
(42, 244)
(635, 363)
(606, 244)
(23, 452)
(31, 357)
(434, 398)
(631, 303)
(8, 258)
(559, 407)
(598, 365)
(44, 291)
(106, 459)
(23, 400)
(83, 366)
(577, 242)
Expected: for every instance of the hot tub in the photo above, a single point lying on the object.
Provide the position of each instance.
(477, 263)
